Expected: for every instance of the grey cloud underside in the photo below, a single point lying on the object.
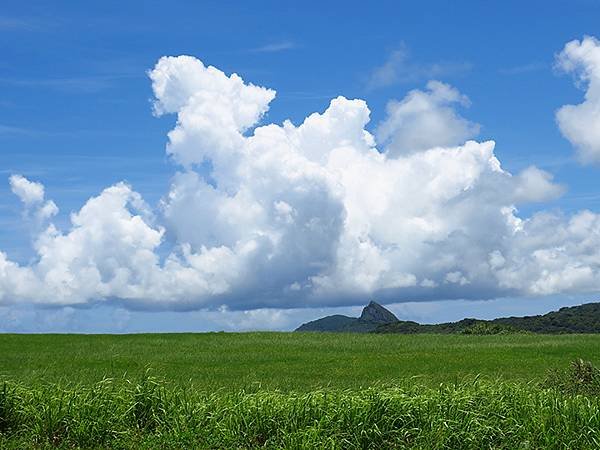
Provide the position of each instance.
(318, 214)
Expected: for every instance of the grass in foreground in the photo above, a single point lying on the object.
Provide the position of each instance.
(284, 390)
(150, 414)
(288, 361)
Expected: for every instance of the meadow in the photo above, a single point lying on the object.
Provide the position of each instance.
(288, 361)
(297, 390)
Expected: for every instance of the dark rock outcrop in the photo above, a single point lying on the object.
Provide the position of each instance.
(373, 315)
(376, 313)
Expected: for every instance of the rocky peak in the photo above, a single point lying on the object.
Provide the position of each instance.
(375, 313)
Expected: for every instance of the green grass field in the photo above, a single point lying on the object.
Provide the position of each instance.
(292, 390)
(288, 361)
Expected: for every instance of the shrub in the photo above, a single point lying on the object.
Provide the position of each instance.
(580, 378)
(485, 328)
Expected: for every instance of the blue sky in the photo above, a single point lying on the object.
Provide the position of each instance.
(76, 111)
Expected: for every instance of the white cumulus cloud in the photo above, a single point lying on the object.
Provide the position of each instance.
(425, 119)
(32, 195)
(28, 192)
(309, 214)
(580, 124)
(213, 109)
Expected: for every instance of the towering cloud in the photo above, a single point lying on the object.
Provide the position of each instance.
(285, 215)
(213, 110)
(580, 124)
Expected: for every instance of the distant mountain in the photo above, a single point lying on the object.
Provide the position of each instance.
(373, 315)
(574, 319)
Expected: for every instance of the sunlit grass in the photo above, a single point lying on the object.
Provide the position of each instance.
(293, 390)
(151, 414)
(288, 361)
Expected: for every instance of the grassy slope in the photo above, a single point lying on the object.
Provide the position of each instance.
(298, 361)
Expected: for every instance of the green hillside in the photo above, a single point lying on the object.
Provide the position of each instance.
(574, 319)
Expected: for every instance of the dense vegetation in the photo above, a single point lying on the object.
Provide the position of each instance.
(376, 319)
(151, 414)
(575, 319)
